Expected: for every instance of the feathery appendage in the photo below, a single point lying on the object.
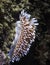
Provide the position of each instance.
(25, 35)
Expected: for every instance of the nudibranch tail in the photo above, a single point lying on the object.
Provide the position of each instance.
(25, 35)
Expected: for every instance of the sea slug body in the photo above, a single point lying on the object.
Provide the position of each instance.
(25, 35)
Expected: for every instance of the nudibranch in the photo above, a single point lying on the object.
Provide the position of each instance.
(25, 34)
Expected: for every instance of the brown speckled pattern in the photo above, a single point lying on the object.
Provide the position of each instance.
(24, 42)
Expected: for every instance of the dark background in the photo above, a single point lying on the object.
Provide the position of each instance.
(39, 53)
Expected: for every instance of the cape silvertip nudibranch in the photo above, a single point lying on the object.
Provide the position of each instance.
(24, 36)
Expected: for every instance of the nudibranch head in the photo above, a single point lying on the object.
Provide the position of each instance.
(25, 14)
(25, 35)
